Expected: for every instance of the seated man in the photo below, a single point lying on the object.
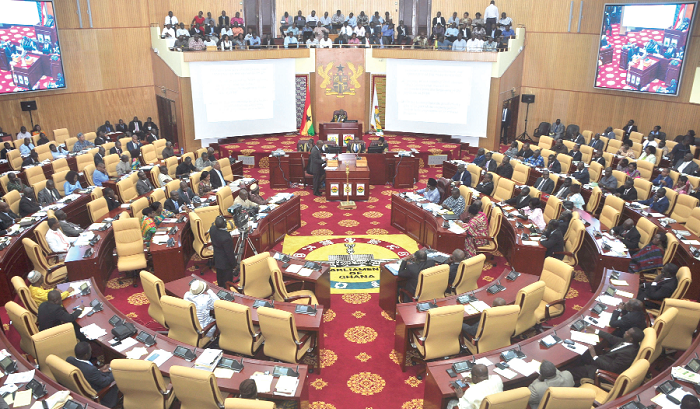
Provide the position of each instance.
(596, 143)
(486, 185)
(174, 202)
(37, 291)
(535, 160)
(525, 152)
(124, 166)
(663, 179)
(550, 376)
(462, 175)
(480, 157)
(356, 146)
(14, 183)
(202, 162)
(662, 287)
(544, 184)
(471, 328)
(28, 204)
(505, 169)
(244, 201)
(111, 198)
(628, 234)
(57, 241)
(627, 192)
(26, 148)
(482, 385)
(68, 228)
(48, 195)
(255, 196)
(454, 262)
(185, 193)
(431, 192)
(575, 153)
(608, 183)
(628, 315)
(564, 190)
(657, 203)
(410, 268)
(581, 174)
(143, 185)
(168, 151)
(82, 144)
(98, 378)
(203, 299)
(686, 165)
(52, 313)
(99, 176)
(559, 147)
(455, 202)
(185, 168)
(163, 176)
(521, 200)
(578, 139)
(598, 157)
(618, 359)
(305, 146)
(553, 239)
(553, 165)
(490, 164)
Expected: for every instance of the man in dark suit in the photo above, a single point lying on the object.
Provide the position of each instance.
(581, 174)
(117, 148)
(174, 202)
(216, 177)
(462, 175)
(628, 234)
(7, 147)
(316, 167)
(305, 146)
(486, 185)
(121, 126)
(520, 201)
(596, 143)
(598, 157)
(439, 21)
(185, 167)
(663, 286)
(151, 126)
(49, 194)
(525, 152)
(553, 240)
(97, 378)
(99, 156)
(618, 359)
(7, 216)
(151, 136)
(135, 125)
(628, 315)
(490, 164)
(627, 192)
(134, 144)
(553, 164)
(111, 198)
(224, 256)
(143, 185)
(563, 191)
(223, 19)
(106, 128)
(575, 153)
(454, 261)
(505, 169)
(544, 184)
(410, 268)
(629, 128)
(28, 203)
(68, 228)
(51, 313)
(185, 193)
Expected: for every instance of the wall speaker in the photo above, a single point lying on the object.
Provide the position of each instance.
(28, 105)
(527, 98)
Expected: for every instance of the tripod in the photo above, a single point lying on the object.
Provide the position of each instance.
(525, 137)
(240, 246)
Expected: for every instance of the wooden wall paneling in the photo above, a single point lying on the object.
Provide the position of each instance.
(187, 137)
(167, 84)
(125, 66)
(240, 55)
(117, 13)
(509, 84)
(66, 15)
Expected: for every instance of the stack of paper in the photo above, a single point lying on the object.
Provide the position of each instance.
(57, 399)
(455, 228)
(506, 373)
(525, 368)
(686, 375)
(590, 339)
(136, 353)
(125, 344)
(578, 348)
(223, 373)
(603, 320)
(625, 294)
(305, 272)
(294, 268)
(85, 312)
(22, 398)
(96, 226)
(20, 377)
(208, 359)
(84, 238)
(480, 305)
(484, 361)
(262, 381)
(93, 331)
(286, 385)
(470, 310)
(160, 239)
(606, 299)
(619, 283)
(158, 356)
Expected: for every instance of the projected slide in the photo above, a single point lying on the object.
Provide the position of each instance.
(643, 47)
(30, 56)
(438, 97)
(235, 98)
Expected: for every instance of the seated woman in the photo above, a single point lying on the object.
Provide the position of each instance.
(651, 256)
(135, 162)
(632, 172)
(148, 225)
(534, 213)
(160, 214)
(626, 152)
(204, 183)
(475, 225)
(649, 154)
(575, 196)
(71, 183)
(623, 165)
(683, 185)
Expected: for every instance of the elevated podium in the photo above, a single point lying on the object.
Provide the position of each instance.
(340, 130)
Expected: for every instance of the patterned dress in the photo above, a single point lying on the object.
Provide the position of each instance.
(477, 226)
(148, 229)
(648, 258)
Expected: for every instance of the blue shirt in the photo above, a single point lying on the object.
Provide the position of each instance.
(290, 40)
(352, 21)
(98, 178)
(25, 150)
(68, 188)
(535, 161)
(79, 146)
(387, 31)
(667, 179)
(294, 30)
(660, 206)
(431, 195)
(60, 153)
(479, 160)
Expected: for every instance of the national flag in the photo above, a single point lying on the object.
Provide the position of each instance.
(680, 16)
(307, 121)
(375, 104)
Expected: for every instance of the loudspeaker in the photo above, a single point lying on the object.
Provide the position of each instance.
(527, 98)
(28, 105)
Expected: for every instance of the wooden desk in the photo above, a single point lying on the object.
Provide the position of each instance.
(339, 129)
(170, 263)
(438, 390)
(357, 178)
(301, 397)
(271, 230)
(319, 281)
(304, 322)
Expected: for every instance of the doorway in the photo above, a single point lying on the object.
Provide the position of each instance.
(509, 120)
(168, 119)
(259, 15)
(415, 15)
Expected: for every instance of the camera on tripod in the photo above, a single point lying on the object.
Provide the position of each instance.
(240, 216)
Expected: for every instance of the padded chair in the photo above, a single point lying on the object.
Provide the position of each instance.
(643, 188)
(495, 222)
(637, 149)
(574, 242)
(636, 137)
(504, 190)
(586, 154)
(35, 175)
(97, 209)
(281, 294)
(224, 198)
(40, 236)
(441, 334)
(237, 335)
(613, 146)
(468, 273)
(226, 170)
(14, 159)
(609, 217)
(620, 176)
(307, 178)
(4, 180)
(556, 275)
(183, 325)
(159, 145)
(24, 294)
(693, 222)
(138, 205)
(256, 275)
(647, 346)
(432, 283)
(684, 278)
(81, 161)
(466, 194)
(282, 340)
(202, 244)
(521, 174)
(546, 142)
(684, 206)
(148, 154)
(528, 299)
(595, 171)
(96, 193)
(59, 341)
(569, 144)
(154, 288)
(171, 163)
(88, 171)
(53, 274)
(153, 176)
(60, 135)
(672, 196)
(25, 324)
(623, 384)
(662, 326)
(684, 326)
(487, 206)
(111, 162)
(59, 179)
(208, 214)
(498, 157)
(496, 327)
(553, 209)
(569, 398)
(158, 195)
(512, 399)
(142, 384)
(72, 378)
(188, 155)
(496, 179)
(126, 189)
(12, 199)
(565, 161)
(196, 389)
(475, 172)
(646, 169)
(646, 230)
(124, 141)
(594, 200)
(172, 186)
(129, 243)
(195, 177)
(545, 155)
(238, 403)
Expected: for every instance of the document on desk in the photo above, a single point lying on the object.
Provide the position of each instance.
(20, 377)
(455, 228)
(125, 344)
(305, 272)
(262, 382)
(480, 305)
(578, 348)
(484, 361)
(606, 299)
(93, 331)
(624, 294)
(691, 242)
(286, 385)
(23, 398)
(525, 368)
(136, 353)
(506, 373)
(531, 243)
(223, 373)
(158, 357)
(603, 320)
(393, 268)
(293, 268)
(662, 401)
(85, 312)
(619, 283)
(470, 310)
(586, 338)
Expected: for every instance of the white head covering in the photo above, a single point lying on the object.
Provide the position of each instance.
(197, 287)
(34, 276)
(254, 186)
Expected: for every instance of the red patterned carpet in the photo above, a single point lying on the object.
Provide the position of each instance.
(359, 367)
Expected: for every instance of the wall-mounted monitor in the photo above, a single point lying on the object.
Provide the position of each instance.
(30, 54)
(643, 46)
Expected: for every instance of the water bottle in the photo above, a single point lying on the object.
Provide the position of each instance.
(182, 151)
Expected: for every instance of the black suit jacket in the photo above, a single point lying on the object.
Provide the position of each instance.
(186, 198)
(554, 166)
(112, 203)
(548, 186)
(98, 380)
(223, 20)
(315, 161)
(490, 165)
(106, 129)
(582, 176)
(130, 146)
(485, 188)
(519, 201)
(596, 144)
(440, 19)
(7, 220)
(629, 196)
(629, 129)
(554, 243)
(184, 169)
(465, 179)
(224, 256)
(630, 238)
(658, 292)
(170, 205)
(216, 180)
(153, 126)
(28, 206)
(411, 271)
(624, 320)
(600, 160)
(525, 153)
(98, 158)
(51, 315)
(575, 155)
(132, 126)
(116, 150)
(505, 170)
(616, 361)
(121, 127)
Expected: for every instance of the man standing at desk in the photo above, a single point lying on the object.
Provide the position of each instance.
(224, 257)
(316, 167)
(410, 268)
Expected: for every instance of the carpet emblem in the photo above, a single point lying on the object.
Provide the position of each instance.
(366, 383)
(320, 199)
(376, 232)
(322, 232)
(394, 357)
(263, 182)
(389, 192)
(359, 298)
(328, 315)
(266, 172)
(363, 357)
(6, 327)
(328, 358)
(272, 139)
(109, 297)
(321, 405)
(571, 294)
(349, 232)
(348, 223)
(435, 151)
(360, 334)
(358, 314)
(577, 307)
(372, 215)
(413, 404)
(247, 152)
(386, 316)
(301, 193)
(388, 206)
(132, 315)
(268, 147)
(264, 163)
(319, 384)
(488, 278)
(374, 223)
(322, 215)
(487, 266)
(138, 299)
(303, 223)
(580, 276)
(287, 142)
(373, 200)
(113, 284)
(413, 382)
(303, 206)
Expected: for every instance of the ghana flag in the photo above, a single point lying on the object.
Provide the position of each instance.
(307, 122)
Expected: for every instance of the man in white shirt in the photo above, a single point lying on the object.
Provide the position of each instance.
(203, 303)
(289, 39)
(346, 29)
(313, 18)
(163, 176)
(326, 42)
(312, 42)
(57, 241)
(460, 44)
(360, 31)
(181, 31)
(491, 16)
(23, 134)
(168, 32)
(170, 19)
(482, 385)
(505, 20)
(475, 45)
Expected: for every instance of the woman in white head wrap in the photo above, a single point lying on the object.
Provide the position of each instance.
(203, 303)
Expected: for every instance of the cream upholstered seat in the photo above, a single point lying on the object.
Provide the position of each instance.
(466, 194)
(24, 295)
(72, 378)
(297, 297)
(684, 278)
(183, 325)
(685, 204)
(88, 171)
(256, 275)
(565, 161)
(142, 384)
(148, 154)
(52, 274)
(126, 189)
(586, 156)
(59, 165)
(154, 288)
(545, 142)
(574, 242)
(238, 335)
(159, 145)
(14, 158)
(202, 244)
(158, 195)
(609, 217)
(97, 193)
(208, 214)
(224, 198)
(496, 327)
(569, 398)
(60, 135)
(171, 163)
(40, 236)
(556, 275)
(238, 403)
(552, 209)
(475, 172)
(59, 179)
(59, 341)
(487, 207)
(226, 170)
(647, 346)
(595, 171)
(111, 162)
(528, 299)
(82, 161)
(138, 205)
(195, 177)
(441, 334)
(646, 230)
(681, 333)
(124, 140)
(646, 169)
(504, 190)
(662, 326)
(672, 197)
(468, 272)
(521, 174)
(196, 389)
(623, 384)
(636, 137)
(172, 186)
(12, 199)
(496, 179)
(495, 222)
(129, 243)
(34, 174)
(693, 222)
(97, 209)
(432, 283)
(38, 186)
(282, 340)
(594, 200)
(25, 324)
(511, 399)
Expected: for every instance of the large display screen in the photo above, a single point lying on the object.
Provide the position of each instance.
(30, 55)
(643, 46)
